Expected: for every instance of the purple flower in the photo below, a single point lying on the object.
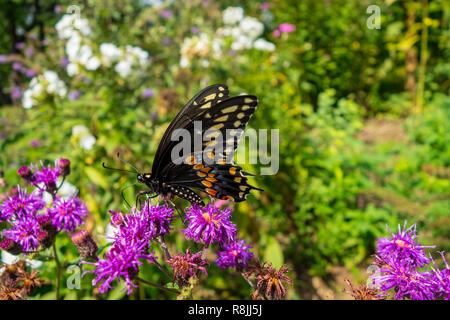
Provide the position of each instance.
(29, 52)
(35, 143)
(24, 231)
(58, 8)
(67, 213)
(442, 279)
(286, 27)
(122, 261)
(403, 246)
(17, 66)
(276, 33)
(160, 218)
(3, 58)
(64, 62)
(235, 254)
(209, 224)
(166, 41)
(46, 175)
(148, 93)
(30, 73)
(407, 283)
(195, 30)
(74, 95)
(19, 45)
(20, 205)
(16, 93)
(265, 5)
(166, 14)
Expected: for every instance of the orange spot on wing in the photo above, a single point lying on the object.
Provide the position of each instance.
(206, 170)
(201, 174)
(211, 179)
(232, 171)
(207, 184)
(212, 192)
(199, 166)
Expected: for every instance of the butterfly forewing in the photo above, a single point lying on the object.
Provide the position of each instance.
(209, 168)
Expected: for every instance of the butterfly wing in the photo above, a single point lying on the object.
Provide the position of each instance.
(195, 107)
(219, 178)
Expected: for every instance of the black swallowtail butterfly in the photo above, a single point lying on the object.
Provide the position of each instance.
(204, 169)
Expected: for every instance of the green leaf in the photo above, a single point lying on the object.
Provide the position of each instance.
(273, 253)
(96, 177)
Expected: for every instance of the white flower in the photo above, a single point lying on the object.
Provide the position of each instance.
(79, 129)
(242, 42)
(73, 46)
(34, 90)
(67, 189)
(55, 85)
(8, 258)
(262, 44)
(72, 69)
(141, 55)
(184, 62)
(110, 232)
(110, 53)
(85, 54)
(251, 27)
(27, 100)
(68, 25)
(93, 63)
(232, 15)
(87, 142)
(123, 68)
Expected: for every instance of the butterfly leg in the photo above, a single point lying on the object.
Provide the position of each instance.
(141, 193)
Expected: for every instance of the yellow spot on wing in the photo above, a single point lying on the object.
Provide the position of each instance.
(230, 109)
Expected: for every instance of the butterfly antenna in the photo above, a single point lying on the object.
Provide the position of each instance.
(116, 169)
(126, 162)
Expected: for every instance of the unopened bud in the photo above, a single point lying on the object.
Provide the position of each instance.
(87, 248)
(64, 166)
(25, 173)
(10, 246)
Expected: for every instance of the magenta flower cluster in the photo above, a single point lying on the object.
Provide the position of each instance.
(32, 223)
(131, 243)
(405, 270)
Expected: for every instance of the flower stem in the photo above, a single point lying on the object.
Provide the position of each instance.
(164, 247)
(157, 286)
(163, 270)
(58, 270)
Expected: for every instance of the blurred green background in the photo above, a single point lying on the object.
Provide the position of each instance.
(363, 114)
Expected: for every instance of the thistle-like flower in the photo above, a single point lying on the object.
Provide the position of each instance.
(121, 262)
(235, 254)
(24, 232)
(269, 281)
(403, 246)
(209, 224)
(401, 275)
(20, 204)
(67, 214)
(87, 248)
(187, 265)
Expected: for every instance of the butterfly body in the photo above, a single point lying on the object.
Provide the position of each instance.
(204, 168)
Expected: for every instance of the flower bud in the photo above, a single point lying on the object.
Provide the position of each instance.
(64, 166)
(87, 248)
(10, 246)
(25, 173)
